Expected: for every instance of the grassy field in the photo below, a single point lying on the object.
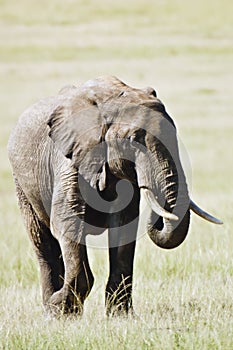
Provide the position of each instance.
(182, 298)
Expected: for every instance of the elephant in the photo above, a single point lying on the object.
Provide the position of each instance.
(81, 162)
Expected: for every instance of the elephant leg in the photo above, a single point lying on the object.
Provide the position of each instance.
(51, 264)
(118, 295)
(46, 247)
(78, 280)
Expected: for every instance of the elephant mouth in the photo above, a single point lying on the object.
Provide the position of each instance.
(159, 224)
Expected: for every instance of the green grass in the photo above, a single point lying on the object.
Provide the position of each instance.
(71, 53)
(182, 298)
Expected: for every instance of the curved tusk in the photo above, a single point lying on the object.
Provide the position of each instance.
(156, 207)
(194, 207)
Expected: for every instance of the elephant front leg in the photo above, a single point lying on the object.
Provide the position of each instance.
(78, 278)
(118, 295)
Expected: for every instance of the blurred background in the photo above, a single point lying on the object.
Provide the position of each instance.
(184, 49)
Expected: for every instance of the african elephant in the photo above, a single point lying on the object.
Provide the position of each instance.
(81, 161)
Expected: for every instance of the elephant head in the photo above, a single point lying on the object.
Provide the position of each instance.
(110, 128)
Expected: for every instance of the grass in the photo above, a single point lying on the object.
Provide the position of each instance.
(182, 298)
(66, 53)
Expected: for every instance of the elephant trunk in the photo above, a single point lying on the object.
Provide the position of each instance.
(167, 195)
(168, 234)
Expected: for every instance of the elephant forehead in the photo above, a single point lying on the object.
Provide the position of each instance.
(137, 95)
(104, 88)
(132, 120)
(136, 115)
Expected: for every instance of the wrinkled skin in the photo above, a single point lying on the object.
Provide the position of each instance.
(67, 147)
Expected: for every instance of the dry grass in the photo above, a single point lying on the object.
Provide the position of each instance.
(182, 298)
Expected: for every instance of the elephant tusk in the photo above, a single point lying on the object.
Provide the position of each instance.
(194, 207)
(156, 207)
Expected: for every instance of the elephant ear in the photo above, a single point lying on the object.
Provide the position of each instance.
(76, 131)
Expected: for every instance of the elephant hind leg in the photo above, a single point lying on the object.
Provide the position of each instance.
(46, 247)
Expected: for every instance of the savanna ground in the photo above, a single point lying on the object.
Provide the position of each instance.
(183, 298)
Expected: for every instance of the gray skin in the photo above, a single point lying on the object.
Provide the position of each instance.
(70, 141)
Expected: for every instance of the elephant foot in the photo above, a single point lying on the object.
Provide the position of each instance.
(61, 303)
(118, 297)
(119, 311)
(118, 305)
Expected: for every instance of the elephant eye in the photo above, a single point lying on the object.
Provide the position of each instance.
(139, 136)
(69, 155)
(122, 93)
